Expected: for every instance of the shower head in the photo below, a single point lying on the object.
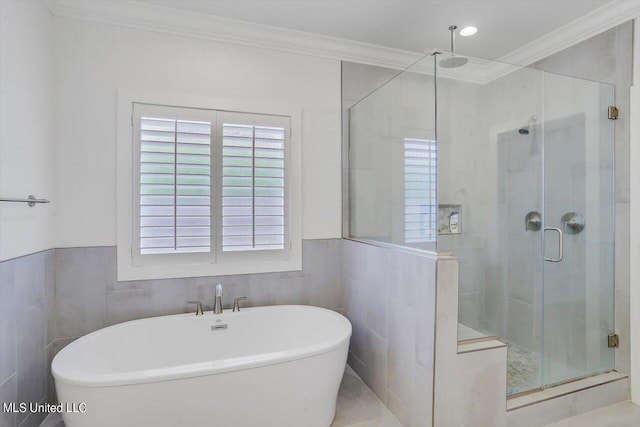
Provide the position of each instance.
(453, 61)
(524, 130)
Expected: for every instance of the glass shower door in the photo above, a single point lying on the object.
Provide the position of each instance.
(526, 162)
(578, 227)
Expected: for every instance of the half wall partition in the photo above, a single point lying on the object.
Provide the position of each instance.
(511, 169)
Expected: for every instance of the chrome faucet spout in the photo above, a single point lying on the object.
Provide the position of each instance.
(217, 302)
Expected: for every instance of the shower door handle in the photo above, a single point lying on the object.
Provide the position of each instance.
(560, 242)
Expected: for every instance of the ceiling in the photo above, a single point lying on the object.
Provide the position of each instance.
(412, 25)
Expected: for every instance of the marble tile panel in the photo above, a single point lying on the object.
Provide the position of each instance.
(447, 293)
(49, 296)
(377, 363)
(82, 277)
(122, 306)
(7, 321)
(9, 393)
(401, 351)
(33, 419)
(422, 398)
(29, 276)
(31, 363)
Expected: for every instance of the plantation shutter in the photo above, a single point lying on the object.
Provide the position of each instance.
(175, 185)
(210, 186)
(253, 186)
(420, 176)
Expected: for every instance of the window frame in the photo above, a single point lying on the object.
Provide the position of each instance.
(132, 267)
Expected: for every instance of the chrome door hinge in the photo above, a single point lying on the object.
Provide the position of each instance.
(613, 341)
(613, 112)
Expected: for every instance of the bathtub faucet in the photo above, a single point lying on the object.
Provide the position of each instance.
(217, 301)
(198, 307)
(236, 303)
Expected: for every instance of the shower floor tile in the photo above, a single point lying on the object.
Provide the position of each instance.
(523, 367)
(357, 407)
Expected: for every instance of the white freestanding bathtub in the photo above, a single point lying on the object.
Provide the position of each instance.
(278, 366)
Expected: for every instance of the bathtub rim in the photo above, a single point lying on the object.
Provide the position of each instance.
(75, 377)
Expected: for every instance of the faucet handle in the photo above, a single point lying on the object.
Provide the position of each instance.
(198, 307)
(236, 303)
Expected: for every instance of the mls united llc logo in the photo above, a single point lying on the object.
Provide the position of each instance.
(23, 407)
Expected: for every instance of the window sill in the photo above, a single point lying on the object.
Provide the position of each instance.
(127, 271)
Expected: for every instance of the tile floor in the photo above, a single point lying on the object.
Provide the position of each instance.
(53, 420)
(357, 407)
(624, 414)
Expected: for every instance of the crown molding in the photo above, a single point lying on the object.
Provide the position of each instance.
(149, 17)
(595, 22)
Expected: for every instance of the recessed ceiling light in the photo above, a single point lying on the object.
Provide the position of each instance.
(468, 31)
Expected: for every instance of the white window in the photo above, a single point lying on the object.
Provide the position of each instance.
(210, 193)
(174, 171)
(420, 177)
(253, 186)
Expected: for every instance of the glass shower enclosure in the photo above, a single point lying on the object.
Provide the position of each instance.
(511, 169)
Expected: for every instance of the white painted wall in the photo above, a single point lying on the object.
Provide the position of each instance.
(26, 126)
(95, 60)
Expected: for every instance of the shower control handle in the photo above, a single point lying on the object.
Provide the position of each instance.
(572, 223)
(560, 244)
(533, 221)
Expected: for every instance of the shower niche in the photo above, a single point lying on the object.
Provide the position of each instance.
(522, 141)
(449, 219)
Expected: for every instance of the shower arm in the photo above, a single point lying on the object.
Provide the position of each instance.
(452, 29)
